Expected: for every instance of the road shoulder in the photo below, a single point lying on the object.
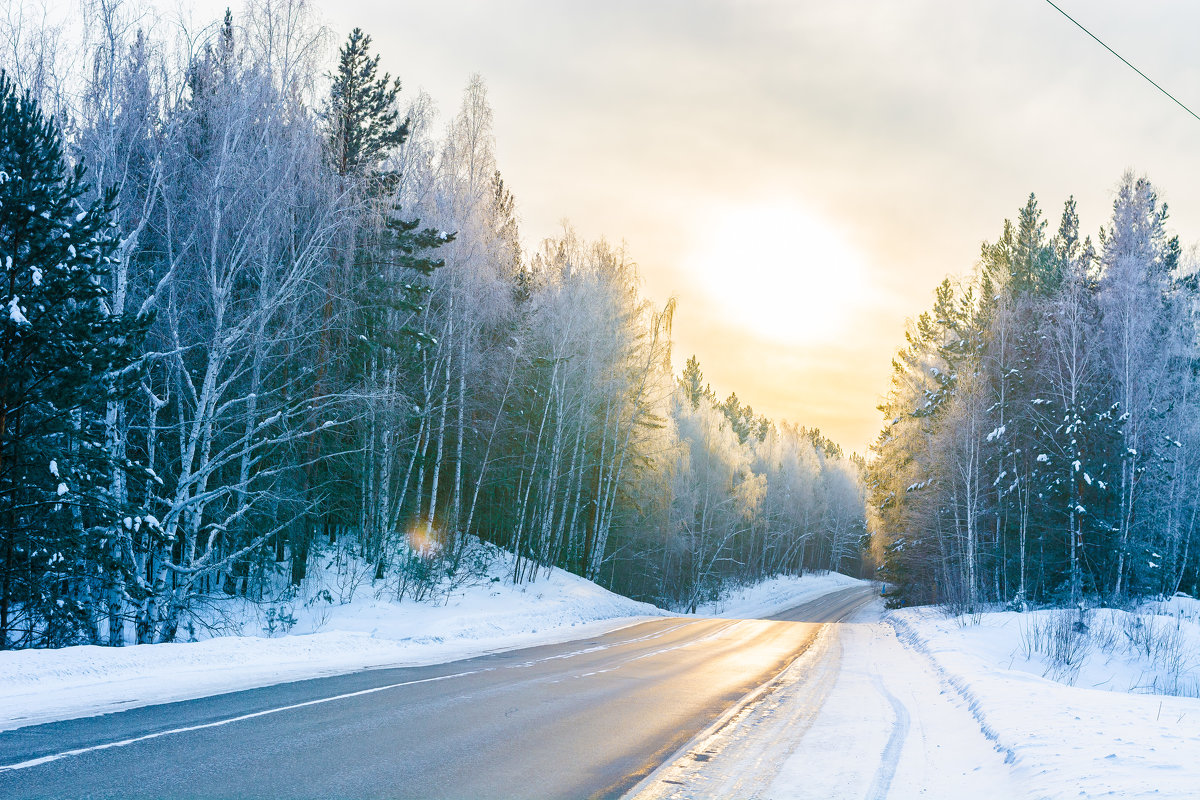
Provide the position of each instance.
(858, 715)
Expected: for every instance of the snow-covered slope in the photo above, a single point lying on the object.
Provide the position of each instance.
(1081, 717)
(326, 638)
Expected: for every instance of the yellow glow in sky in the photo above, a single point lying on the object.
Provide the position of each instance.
(779, 271)
(764, 161)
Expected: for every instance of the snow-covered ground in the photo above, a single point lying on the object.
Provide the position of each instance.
(1078, 712)
(244, 645)
(326, 638)
(859, 715)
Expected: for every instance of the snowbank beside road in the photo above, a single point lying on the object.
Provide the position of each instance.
(325, 639)
(1105, 735)
(857, 715)
(313, 636)
(922, 705)
(775, 595)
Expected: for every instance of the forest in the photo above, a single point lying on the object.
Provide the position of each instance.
(265, 316)
(1041, 440)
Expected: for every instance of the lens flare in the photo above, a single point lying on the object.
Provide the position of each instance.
(422, 540)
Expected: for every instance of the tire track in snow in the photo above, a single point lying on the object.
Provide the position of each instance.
(908, 636)
(882, 782)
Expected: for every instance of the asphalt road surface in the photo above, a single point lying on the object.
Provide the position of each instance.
(588, 718)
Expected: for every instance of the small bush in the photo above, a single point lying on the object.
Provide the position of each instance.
(279, 620)
(1157, 645)
(1061, 637)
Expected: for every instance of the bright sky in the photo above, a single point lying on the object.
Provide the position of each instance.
(802, 174)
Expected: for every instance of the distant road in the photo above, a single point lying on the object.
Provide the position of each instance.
(588, 718)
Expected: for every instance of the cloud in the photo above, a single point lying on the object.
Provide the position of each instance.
(915, 128)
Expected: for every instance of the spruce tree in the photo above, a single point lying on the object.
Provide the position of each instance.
(62, 356)
(373, 296)
(365, 128)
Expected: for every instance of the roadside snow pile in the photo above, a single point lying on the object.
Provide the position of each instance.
(340, 621)
(1084, 705)
(487, 615)
(480, 613)
(775, 595)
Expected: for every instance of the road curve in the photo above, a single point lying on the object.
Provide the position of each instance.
(588, 718)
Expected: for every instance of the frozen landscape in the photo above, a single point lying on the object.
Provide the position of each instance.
(820, 457)
(909, 703)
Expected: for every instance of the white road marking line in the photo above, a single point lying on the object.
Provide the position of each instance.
(33, 762)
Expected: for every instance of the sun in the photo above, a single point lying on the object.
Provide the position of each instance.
(779, 271)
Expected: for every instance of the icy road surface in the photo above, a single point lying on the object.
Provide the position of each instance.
(586, 718)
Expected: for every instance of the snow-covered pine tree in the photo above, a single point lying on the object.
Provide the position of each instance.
(1079, 426)
(363, 116)
(62, 357)
(1018, 273)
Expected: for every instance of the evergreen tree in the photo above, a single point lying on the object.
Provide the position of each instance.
(373, 302)
(364, 119)
(693, 384)
(1033, 269)
(62, 357)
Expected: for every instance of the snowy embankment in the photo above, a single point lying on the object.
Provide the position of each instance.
(775, 595)
(316, 635)
(1103, 708)
(321, 638)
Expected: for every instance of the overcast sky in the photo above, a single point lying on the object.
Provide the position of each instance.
(802, 174)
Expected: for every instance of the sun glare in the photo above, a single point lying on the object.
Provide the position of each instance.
(422, 541)
(780, 271)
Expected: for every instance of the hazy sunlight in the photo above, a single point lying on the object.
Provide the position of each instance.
(780, 271)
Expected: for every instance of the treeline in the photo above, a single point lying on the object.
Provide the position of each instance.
(1042, 441)
(737, 497)
(257, 321)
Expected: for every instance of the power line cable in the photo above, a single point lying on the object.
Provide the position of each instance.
(1123, 61)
